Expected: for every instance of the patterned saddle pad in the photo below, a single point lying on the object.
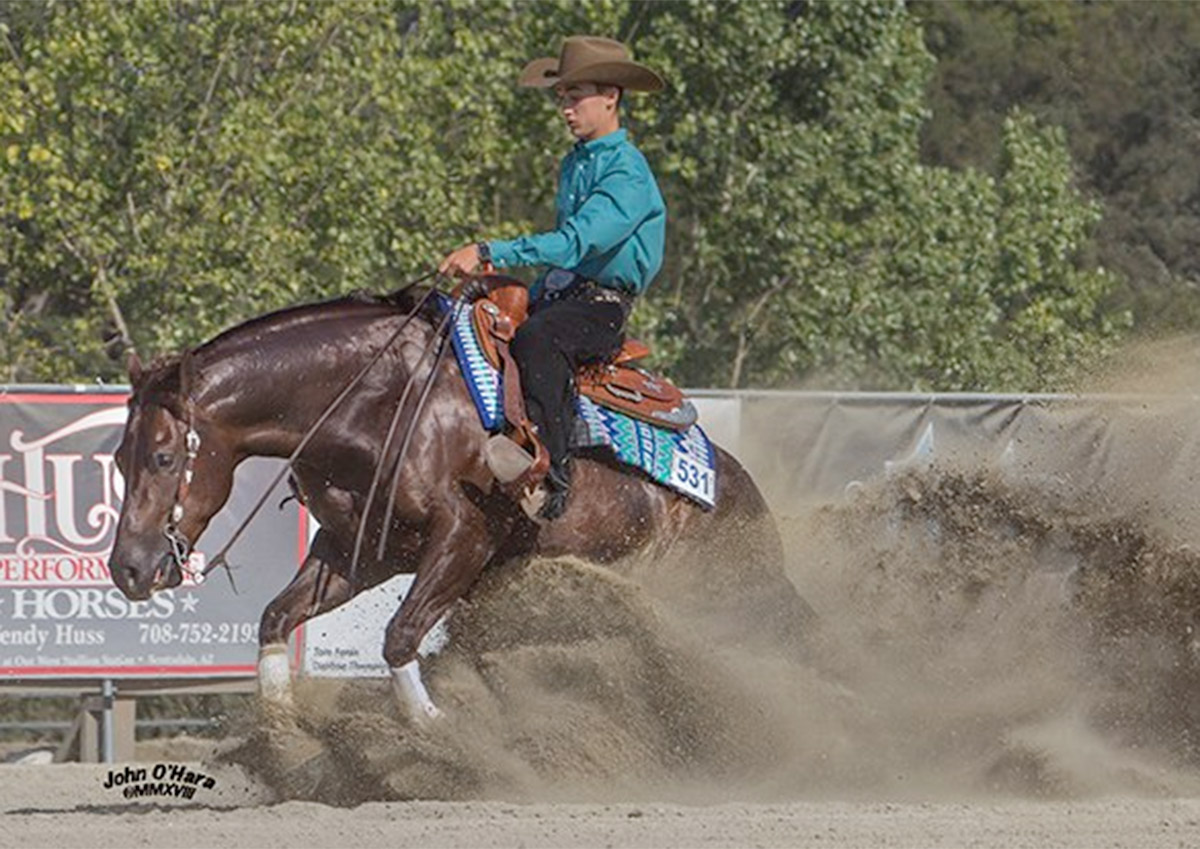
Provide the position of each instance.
(682, 460)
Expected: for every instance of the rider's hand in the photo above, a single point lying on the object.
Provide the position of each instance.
(462, 262)
(472, 289)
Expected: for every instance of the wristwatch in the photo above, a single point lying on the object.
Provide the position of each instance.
(485, 253)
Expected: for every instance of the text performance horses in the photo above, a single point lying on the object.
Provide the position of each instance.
(258, 389)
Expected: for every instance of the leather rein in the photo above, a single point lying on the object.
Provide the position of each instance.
(181, 546)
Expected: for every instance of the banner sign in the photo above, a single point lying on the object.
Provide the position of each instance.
(347, 642)
(60, 499)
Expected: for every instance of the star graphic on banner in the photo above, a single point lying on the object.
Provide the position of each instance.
(189, 602)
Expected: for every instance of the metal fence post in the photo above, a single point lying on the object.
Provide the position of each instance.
(108, 738)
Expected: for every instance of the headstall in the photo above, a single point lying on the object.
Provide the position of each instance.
(181, 546)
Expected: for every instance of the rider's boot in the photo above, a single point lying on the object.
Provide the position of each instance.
(557, 485)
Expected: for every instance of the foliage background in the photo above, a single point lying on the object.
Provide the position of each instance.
(168, 169)
(1123, 80)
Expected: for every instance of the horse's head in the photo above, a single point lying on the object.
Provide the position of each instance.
(177, 476)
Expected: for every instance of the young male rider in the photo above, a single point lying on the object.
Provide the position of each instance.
(606, 247)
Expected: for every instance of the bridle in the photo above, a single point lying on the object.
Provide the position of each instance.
(181, 546)
(219, 560)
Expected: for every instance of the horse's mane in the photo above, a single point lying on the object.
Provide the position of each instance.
(357, 303)
(162, 380)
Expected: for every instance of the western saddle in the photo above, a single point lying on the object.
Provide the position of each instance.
(618, 385)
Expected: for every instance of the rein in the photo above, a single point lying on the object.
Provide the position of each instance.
(412, 426)
(442, 335)
(220, 559)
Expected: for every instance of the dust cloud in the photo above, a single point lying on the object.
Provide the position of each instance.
(979, 633)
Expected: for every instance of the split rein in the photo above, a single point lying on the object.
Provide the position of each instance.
(181, 546)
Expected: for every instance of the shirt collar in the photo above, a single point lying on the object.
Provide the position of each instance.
(603, 143)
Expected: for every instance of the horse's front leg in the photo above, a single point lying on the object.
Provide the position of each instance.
(459, 546)
(319, 586)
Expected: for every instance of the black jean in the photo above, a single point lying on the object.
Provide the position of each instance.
(557, 338)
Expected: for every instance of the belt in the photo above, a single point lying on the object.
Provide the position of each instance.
(560, 284)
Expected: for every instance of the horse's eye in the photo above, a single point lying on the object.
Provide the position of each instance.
(164, 459)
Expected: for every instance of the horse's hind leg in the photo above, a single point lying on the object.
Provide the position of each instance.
(318, 586)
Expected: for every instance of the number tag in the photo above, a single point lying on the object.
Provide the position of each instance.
(691, 477)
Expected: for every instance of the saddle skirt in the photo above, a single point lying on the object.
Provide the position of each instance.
(620, 385)
(682, 460)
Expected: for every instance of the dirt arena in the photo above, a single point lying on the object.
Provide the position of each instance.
(65, 807)
(996, 661)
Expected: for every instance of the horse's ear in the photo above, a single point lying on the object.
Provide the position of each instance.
(134, 364)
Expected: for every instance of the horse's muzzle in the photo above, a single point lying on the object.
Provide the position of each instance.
(139, 585)
(130, 583)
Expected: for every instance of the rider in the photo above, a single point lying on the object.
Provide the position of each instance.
(606, 247)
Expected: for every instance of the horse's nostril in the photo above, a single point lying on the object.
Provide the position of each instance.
(127, 580)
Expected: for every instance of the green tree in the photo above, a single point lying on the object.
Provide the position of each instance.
(1123, 80)
(810, 242)
(170, 169)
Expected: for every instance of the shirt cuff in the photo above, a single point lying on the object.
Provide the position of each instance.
(503, 253)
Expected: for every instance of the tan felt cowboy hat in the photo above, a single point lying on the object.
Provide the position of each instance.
(590, 59)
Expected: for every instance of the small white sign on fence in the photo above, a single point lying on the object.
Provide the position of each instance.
(348, 642)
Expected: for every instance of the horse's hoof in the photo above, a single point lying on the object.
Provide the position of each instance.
(294, 760)
(278, 714)
(410, 692)
(428, 714)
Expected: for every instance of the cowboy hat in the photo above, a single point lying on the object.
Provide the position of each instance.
(591, 59)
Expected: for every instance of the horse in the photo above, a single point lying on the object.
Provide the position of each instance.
(257, 390)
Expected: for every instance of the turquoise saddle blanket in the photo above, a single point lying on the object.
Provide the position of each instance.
(682, 461)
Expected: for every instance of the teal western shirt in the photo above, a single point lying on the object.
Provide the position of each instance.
(610, 224)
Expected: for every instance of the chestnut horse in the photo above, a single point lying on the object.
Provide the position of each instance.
(258, 389)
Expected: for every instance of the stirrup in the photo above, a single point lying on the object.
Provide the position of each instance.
(512, 465)
(507, 460)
